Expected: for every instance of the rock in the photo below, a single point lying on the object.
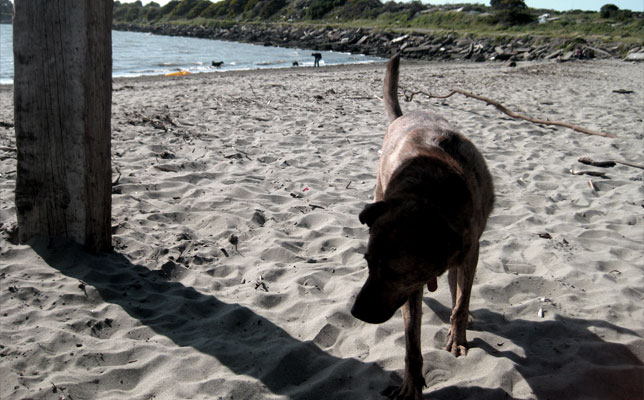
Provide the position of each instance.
(416, 49)
(399, 39)
(479, 58)
(568, 56)
(554, 55)
(503, 56)
(635, 57)
(599, 53)
(259, 218)
(362, 40)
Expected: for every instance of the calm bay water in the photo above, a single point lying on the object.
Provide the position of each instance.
(135, 54)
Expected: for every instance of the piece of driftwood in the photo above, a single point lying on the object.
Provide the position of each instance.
(604, 164)
(409, 95)
(592, 186)
(591, 173)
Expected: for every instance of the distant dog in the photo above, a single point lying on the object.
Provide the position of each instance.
(296, 64)
(433, 196)
(217, 64)
(316, 59)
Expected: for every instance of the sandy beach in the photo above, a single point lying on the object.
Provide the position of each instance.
(238, 250)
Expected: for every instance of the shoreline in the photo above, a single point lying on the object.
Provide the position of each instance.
(455, 63)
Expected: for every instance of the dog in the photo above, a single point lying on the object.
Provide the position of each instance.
(433, 196)
(217, 64)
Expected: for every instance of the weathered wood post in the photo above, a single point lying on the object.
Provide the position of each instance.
(62, 105)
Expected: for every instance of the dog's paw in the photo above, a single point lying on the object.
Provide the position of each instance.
(456, 350)
(456, 345)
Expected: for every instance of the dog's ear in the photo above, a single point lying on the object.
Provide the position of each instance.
(371, 212)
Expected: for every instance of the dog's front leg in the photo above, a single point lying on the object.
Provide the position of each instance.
(413, 382)
(460, 282)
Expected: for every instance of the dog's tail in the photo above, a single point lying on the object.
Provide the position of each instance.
(392, 108)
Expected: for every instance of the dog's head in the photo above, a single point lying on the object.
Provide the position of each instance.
(410, 242)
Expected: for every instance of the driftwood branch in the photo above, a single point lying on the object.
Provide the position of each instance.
(409, 96)
(607, 164)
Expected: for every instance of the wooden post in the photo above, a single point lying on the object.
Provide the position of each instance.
(62, 105)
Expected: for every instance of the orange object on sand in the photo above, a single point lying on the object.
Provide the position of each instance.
(178, 73)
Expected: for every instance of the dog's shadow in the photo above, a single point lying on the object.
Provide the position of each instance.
(237, 337)
(563, 358)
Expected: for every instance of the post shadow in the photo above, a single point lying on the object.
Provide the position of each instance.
(564, 358)
(236, 336)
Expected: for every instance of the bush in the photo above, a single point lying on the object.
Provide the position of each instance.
(271, 7)
(132, 14)
(357, 9)
(608, 11)
(226, 8)
(450, 20)
(167, 9)
(152, 14)
(511, 12)
(319, 8)
(214, 10)
(507, 4)
(197, 9)
(6, 8)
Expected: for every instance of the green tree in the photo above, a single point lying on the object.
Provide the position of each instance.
(6, 11)
(271, 7)
(152, 11)
(507, 4)
(198, 8)
(168, 8)
(511, 12)
(183, 8)
(319, 8)
(609, 11)
(6, 7)
(215, 10)
(355, 9)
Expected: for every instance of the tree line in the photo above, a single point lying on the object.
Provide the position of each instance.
(6, 11)
(508, 12)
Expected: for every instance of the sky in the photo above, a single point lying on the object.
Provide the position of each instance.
(559, 5)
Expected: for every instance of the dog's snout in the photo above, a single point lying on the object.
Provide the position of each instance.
(372, 306)
(368, 314)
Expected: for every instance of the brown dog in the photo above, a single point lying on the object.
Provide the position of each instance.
(433, 197)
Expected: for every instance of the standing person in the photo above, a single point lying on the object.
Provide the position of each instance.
(316, 61)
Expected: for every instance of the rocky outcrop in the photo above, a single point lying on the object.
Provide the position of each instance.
(383, 43)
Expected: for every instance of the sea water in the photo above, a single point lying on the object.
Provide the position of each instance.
(136, 54)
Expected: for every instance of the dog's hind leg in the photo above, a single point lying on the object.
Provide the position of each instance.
(451, 279)
(460, 284)
(413, 381)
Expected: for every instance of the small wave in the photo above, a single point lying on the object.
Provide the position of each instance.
(275, 62)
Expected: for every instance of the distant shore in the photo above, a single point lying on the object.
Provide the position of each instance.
(414, 45)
